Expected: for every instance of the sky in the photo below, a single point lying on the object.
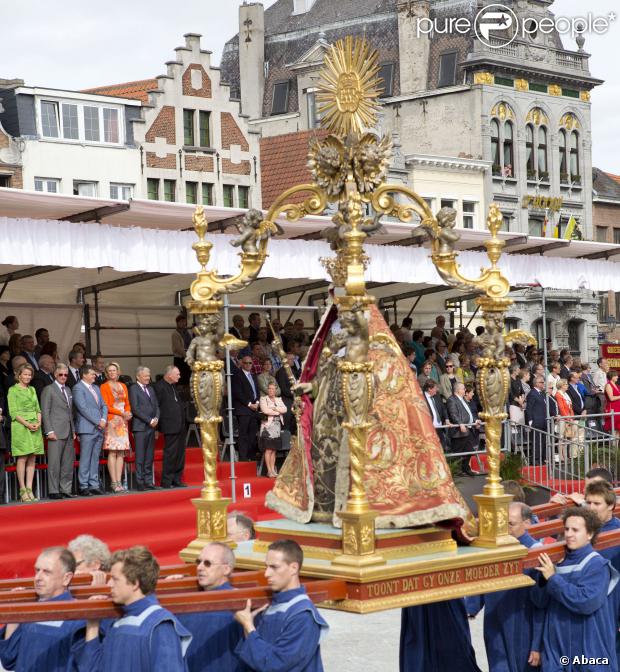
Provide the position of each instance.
(72, 44)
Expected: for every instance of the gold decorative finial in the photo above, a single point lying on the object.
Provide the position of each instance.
(349, 87)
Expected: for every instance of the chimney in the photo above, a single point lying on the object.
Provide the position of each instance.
(413, 44)
(252, 58)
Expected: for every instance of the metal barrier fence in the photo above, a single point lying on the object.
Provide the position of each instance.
(559, 458)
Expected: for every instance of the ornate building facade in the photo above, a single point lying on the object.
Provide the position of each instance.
(506, 120)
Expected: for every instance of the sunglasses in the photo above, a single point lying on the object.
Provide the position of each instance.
(449, 366)
(63, 375)
(208, 563)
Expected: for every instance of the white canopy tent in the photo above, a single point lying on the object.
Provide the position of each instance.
(137, 255)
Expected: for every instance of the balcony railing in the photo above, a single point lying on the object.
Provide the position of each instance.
(534, 54)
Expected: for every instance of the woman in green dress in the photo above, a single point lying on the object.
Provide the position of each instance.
(26, 437)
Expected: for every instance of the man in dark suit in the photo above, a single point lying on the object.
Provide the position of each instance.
(579, 405)
(567, 363)
(57, 417)
(237, 326)
(44, 376)
(536, 417)
(254, 320)
(287, 394)
(437, 410)
(145, 410)
(245, 397)
(27, 345)
(462, 438)
(172, 426)
(99, 366)
(76, 362)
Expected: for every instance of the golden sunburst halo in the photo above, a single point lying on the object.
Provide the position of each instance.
(349, 87)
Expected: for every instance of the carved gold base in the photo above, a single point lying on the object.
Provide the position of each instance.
(358, 539)
(211, 526)
(493, 521)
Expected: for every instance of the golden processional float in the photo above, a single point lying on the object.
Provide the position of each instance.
(382, 568)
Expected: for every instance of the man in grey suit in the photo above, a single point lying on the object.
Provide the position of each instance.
(145, 410)
(91, 416)
(57, 416)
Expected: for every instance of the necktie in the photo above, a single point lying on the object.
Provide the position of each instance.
(145, 388)
(92, 391)
(64, 394)
(249, 376)
(471, 417)
(175, 393)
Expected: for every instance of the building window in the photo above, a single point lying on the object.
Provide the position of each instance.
(121, 192)
(601, 234)
(529, 150)
(429, 201)
(563, 157)
(188, 128)
(191, 192)
(229, 195)
(543, 172)
(49, 185)
(70, 128)
(110, 125)
(81, 188)
(314, 118)
(386, 80)
(207, 193)
(574, 157)
(495, 145)
(279, 103)
(205, 128)
(91, 123)
(616, 237)
(535, 227)
(469, 214)
(170, 188)
(5, 181)
(447, 69)
(447, 203)
(508, 150)
(506, 220)
(49, 119)
(244, 197)
(152, 188)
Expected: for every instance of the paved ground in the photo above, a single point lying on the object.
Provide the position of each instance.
(370, 642)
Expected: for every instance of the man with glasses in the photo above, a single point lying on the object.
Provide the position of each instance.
(215, 634)
(245, 396)
(57, 418)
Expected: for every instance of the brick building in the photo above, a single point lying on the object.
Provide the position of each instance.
(606, 218)
(194, 145)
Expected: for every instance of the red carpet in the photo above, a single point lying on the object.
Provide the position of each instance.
(164, 520)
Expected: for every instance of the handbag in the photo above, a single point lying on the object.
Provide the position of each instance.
(570, 430)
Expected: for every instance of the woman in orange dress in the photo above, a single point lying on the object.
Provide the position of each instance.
(116, 440)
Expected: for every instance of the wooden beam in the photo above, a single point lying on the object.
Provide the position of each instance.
(178, 603)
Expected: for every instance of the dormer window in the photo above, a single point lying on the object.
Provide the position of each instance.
(386, 80)
(82, 122)
(279, 102)
(447, 69)
(302, 6)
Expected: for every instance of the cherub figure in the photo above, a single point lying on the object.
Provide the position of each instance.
(252, 233)
(335, 235)
(446, 218)
(206, 342)
(249, 229)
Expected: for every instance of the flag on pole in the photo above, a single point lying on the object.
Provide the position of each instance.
(550, 230)
(570, 228)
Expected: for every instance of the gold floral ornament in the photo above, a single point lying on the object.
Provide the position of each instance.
(349, 87)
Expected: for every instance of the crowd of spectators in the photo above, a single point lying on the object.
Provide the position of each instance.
(562, 396)
(45, 402)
